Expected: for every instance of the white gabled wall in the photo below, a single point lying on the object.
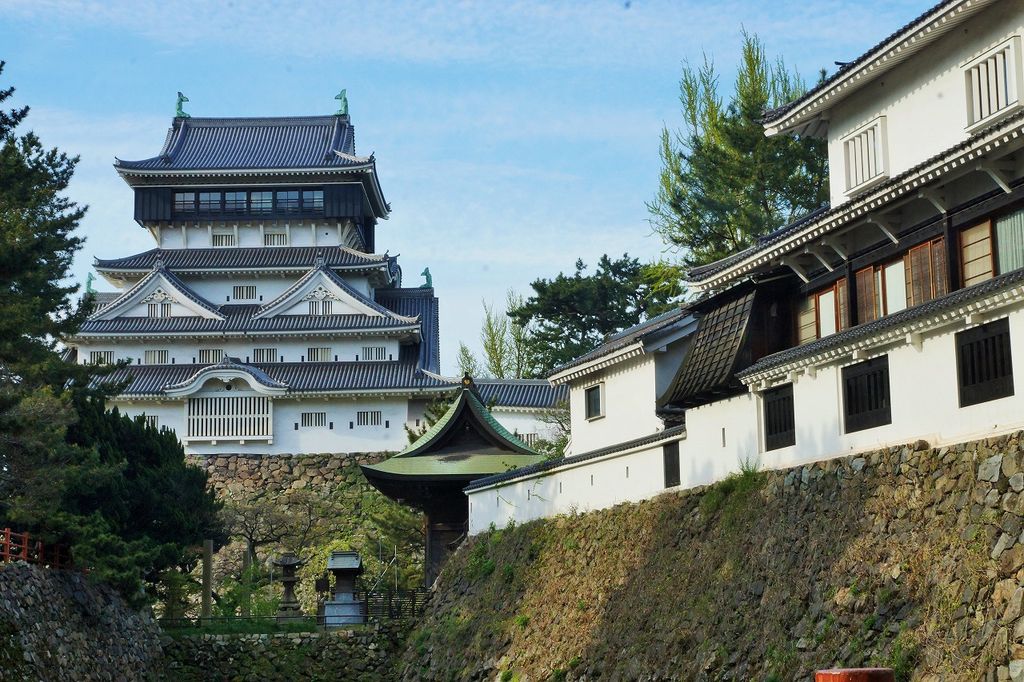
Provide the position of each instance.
(628, 400)
(924, 100)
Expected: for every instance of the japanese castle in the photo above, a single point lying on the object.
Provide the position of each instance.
(264, 321)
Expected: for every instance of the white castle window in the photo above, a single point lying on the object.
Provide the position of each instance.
(368, 418)
(235, 418)
(209, 356)
(155, 357)
(375, 353)
(993, 83)
(866, 155)
(101, 357)
(320, 307)
(275, 239)
(152, 420)
(245, 292)
(264, 355)
(313, 419)
(158, 309)
(318, 354)
(224, 239)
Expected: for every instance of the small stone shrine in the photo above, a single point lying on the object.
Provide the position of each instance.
(344, 608)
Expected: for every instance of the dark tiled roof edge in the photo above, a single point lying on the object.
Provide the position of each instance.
(547, 465)
(907, 316)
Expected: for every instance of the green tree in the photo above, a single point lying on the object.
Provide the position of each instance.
(572, 314)
(468, 363)
(723, 182)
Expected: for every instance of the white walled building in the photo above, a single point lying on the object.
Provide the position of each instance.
(263, 322)
(893, 315)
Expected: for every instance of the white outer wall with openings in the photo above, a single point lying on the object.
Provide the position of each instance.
(924, 400)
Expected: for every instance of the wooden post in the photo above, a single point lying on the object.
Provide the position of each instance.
(207, 605)
(952, 243)
(851, 296)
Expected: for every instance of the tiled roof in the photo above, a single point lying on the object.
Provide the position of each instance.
(172, 280)
(306, 142)
(341, 284)
(238, 319)
(627, 337)
(255, 258)
(1008, 126)
(422, 303)
(229, 362)
(529, 393)
(710, 365)
(872, 53)
(300, 377)
(549, 464)
(904, 317)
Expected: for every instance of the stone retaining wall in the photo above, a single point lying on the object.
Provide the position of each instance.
(58, 625)
(360, 655)
(247, 474)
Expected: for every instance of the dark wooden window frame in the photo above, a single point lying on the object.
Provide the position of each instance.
(600, 401)
(670, 464)
(984, 363)
(779, 417)
(316, 208)
(866, 396)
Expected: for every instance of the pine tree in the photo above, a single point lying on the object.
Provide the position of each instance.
(724, 183)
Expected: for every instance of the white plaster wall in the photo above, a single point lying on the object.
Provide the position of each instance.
(198, 236)
(704, 457)
(185, 353)
(218, 290)
(595, 484)
(924, 99)
(288, 439)
(629, 395)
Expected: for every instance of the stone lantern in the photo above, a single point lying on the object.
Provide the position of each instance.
(289, 609)
(344, 608)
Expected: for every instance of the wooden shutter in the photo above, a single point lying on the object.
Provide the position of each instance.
(984, 365)
(670, 457)
(867, 296)
(807, 321)
(842, 303)
(779, 421)
(866, 394)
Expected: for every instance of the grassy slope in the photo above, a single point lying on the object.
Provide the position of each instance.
(754, 580)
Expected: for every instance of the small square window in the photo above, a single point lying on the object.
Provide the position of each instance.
(235, 202)
(184, 202)
(288, 202)
(593, 398)
(262, 202)
(313, 201)
(209, 202)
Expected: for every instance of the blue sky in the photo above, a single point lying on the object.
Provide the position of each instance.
(512, 138)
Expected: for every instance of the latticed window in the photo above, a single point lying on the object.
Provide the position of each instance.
(368, 418)
(156, 357)
(670, 462)
(984, 365)
(993, 82)
(311, 419)
(245, 292)
(866, 394)
(313, 201)
(262, 202)
(275, 239)
(926, 272)
(318, 354)
(865, 155)
(151, 420)
(101, 357)
(158, 309)
(209, 356)
(235, 202)
(320, 307)
(375, 353)
(264, 355)
(224, 239)
(779, 421)
(209, 202)
(184, 202)
(229, 417)
(288, 202)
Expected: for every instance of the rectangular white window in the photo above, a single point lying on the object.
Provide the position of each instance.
(827, 313)
(246, 292)
(318, 354)
(320, 307)
(264, 355)
(866, 155)
(895, 287)
(235, 418)
(101, 357)
(368, 418)
(275, 239)
(208, 356)
(224, 239)
(158, 309)
(156, 357)
(152, 420)
(993, 83)
(310, 419)
(374, 353)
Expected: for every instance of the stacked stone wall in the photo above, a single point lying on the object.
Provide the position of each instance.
(910, 557)
(363, 655)
(59, 625)
(275, 474)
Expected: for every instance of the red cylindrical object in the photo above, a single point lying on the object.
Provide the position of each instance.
(855, 675)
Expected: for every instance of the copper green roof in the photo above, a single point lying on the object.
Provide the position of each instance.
(467, 442)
